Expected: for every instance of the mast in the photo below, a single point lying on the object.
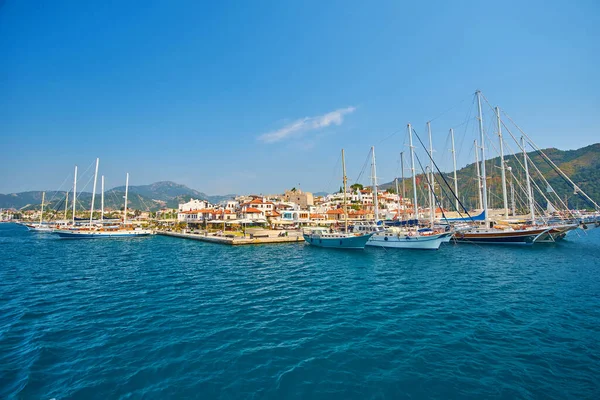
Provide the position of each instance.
(126, 192)
(512, 197)
(502, 167)
(402, 172)
(374, 181)
(529, 192)
(66, 205)
(398, 197)
(478, 176)
(94, 191)
(345, 180)
(412, 168)
(454, 161)
(102, 200)
(42, 214)
(74, 194)
(431, 185)
(483, 175)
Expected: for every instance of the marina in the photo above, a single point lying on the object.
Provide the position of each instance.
(241, 316)
(299, 200)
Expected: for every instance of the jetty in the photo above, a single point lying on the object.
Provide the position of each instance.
(263, 237)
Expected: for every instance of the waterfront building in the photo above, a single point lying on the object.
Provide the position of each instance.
(194, 204)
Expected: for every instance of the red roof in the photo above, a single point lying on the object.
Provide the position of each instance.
(336, 211)
(358, 212)
(251, 210)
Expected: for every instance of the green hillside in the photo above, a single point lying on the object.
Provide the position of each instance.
(581, 165)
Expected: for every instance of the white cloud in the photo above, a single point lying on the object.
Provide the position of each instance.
(307, 124)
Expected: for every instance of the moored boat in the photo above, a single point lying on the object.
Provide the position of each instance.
(338, 240)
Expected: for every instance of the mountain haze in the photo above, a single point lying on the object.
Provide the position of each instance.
(144, 197)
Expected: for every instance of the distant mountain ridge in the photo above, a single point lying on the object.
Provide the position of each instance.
(150, 197)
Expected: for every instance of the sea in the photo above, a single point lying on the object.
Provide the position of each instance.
(162, 318)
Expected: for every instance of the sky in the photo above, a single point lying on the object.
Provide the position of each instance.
(261, 96)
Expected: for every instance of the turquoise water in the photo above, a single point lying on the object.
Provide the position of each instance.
(164, 318)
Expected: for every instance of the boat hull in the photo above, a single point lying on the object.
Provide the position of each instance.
(402, 241)
(100, 235)
(557, 233)
(516, 237)
(40, 229)
(351, 241)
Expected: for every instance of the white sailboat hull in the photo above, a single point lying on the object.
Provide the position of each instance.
(406, 241)
(40, 228)
(75, 234)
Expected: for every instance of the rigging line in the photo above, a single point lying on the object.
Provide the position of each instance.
(432, 191)
(545, 181)
(57, 190)
(364, 167)
(389, 136)
(575, 186)
(444, 178)
(450, 109)
(335, 170)
(467, 121)
(535, 167)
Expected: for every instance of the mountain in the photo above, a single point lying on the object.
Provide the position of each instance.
(581, 165)
(144, 197)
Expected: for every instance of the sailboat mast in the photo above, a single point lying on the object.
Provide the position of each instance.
(502, 167)
(74, 194)
(94, 191)
(512, 198)
(345, 180)
(374, 181)
(42, 214)
(66, 205)
(402, 174)
(126, 192)
(529, 192)
(398, 199)
(483, 175)
(478, 175)
(412, 168)
(102, 200)
(454, 162)
(431, 185)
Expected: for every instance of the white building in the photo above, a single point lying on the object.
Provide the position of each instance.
(194, 204)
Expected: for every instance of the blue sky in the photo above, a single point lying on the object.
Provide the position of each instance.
(238, 97)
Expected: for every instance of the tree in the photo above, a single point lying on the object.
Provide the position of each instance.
(356, 186)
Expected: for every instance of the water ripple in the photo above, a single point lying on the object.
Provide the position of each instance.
(164, 318)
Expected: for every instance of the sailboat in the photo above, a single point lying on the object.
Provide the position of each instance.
(95, 232)
(409, 237)
(40, 227)
(518, 235)
(338, 240)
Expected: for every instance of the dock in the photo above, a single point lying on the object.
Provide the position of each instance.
(262, 238)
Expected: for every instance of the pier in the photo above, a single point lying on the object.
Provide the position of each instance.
(264, 237)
